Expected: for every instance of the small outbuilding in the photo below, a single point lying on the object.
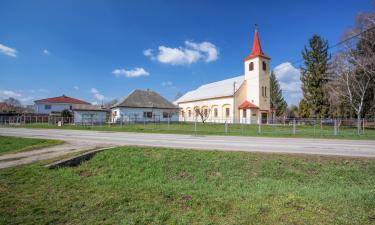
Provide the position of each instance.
(144, 106)
(90, 114)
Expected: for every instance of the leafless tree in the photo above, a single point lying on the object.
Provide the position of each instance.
(202, 112)
(353, 67)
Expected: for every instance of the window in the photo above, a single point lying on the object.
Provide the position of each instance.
(265, 91)
(205, 112)
(189, 113)
(254, 114)
(114, 113)
(251, 66)
(47, 107)
(227, 112)
(264, 66)
(244, 113)
(182, 113)
(70, 107)
(147, 114)
(262, 91)
(215, 112)
(166, 115)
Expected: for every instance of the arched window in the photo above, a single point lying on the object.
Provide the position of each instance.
(251, 66)
(264, 66)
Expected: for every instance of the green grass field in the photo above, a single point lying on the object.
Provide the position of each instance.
(132, 185)
(304, 131)
(16, 144)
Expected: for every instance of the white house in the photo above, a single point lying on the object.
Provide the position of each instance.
(56, 104)
(144, 106)
(244, 98)
(89, 114)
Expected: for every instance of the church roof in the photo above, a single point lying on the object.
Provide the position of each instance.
(217, 89)
(257, 48)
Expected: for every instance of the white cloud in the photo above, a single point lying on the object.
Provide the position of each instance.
(25, 100)
(289, 79)
(147, 52)
(46, 52)
(136, 72)
(8, 51)
(191, 53)
(76, 88)
(97, 95)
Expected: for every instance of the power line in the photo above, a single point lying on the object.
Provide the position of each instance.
(330, 47)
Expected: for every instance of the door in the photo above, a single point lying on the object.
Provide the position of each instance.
(264, 117)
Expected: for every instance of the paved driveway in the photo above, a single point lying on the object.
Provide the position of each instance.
(78, 140)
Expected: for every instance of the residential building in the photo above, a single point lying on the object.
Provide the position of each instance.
(144, 106)
(56, 105)
(89, 114)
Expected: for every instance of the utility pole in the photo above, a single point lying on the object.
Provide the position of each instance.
(234, 101)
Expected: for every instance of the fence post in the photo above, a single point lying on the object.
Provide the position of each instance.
(335, 127)
(226, 127)
(195, 126)
(259, 126)
(363, 126)
(294, 126)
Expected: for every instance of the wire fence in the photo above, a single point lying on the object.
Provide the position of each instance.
(229, 126)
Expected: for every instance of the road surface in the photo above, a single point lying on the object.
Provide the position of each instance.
(77, 139)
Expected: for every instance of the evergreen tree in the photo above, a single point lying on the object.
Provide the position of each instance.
(276, 96)
(314, 77)
(303, 109)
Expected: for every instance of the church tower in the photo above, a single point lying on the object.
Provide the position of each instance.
(257, 77)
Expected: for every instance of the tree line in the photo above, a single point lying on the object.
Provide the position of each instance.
(341, 85)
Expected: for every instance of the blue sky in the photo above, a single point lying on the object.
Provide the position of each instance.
(101, 50)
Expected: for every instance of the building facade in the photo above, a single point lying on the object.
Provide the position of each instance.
(244, 99)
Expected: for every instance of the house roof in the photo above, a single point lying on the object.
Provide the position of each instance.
(84, 107)
(217, 89)
(5, 106)
(145, 99)
(62, 99)
(257, 48)
(247, 105)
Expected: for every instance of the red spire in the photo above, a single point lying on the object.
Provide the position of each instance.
(257, 48)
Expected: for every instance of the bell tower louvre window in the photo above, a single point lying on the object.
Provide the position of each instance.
(251, 66)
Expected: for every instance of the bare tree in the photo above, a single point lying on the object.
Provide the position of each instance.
(353, 68)
(202, 112)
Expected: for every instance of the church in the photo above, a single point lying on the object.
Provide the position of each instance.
(241, 99)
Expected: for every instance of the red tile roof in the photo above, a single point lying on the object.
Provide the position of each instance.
(62, 99)
(247, 105)
(257, 48)
(4, 106)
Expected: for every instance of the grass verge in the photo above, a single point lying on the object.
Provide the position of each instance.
(17, 144)
(132, 185)
(302, 131)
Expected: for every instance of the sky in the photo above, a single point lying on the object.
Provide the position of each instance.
(102, 50)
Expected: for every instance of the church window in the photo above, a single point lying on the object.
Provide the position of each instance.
(264, 66)
(265, 91)
(215, 112)
(227, 112)
(262, 91)
(244, 113)
(251, 66)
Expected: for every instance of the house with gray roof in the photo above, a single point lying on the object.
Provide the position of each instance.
(144, 106)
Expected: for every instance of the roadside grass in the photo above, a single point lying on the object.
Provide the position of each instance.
(17, 144)
(302, 131)
(133, 185)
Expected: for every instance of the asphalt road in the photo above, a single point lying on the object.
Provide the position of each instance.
(352, 148)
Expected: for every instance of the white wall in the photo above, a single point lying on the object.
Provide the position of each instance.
(89, 117)
(55, 107)
(211, 104)
(129, 114)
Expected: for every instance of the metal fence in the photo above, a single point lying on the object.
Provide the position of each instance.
(274, 126)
